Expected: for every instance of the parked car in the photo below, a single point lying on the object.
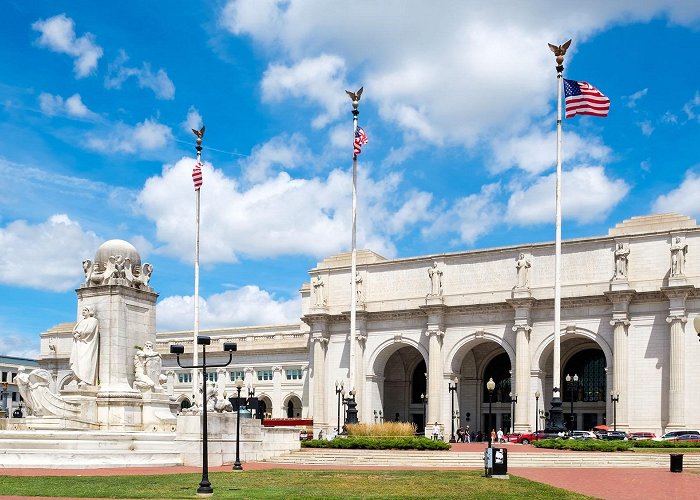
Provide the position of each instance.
(686, 438)
(641, 436)
(529, 437)
(512, 438)
(581, 435)
(614, 435)
(671, 435)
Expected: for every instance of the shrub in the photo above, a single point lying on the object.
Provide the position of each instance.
(378, 443)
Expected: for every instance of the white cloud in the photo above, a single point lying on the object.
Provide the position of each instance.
(471, 216)
(193, 120)
(73, 106)
(58, 35)
(684, 199)
(690, 107)
(281, 215)
(631, 100)
(149, 135)
(249, 305)
(457, 74)
(317, 80)
(646, 127)
(535, 151)
(44, 255)
(158, 82)
(20, 346)
(283, 152)
(587, 196)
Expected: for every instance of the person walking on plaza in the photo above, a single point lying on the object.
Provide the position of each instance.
(493, 435)
(436, 431)
(467, 435)
(499, 434)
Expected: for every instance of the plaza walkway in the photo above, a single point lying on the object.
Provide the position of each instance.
(602, 475)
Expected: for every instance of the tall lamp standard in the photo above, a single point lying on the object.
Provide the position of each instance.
(340, 393)
(424, 399)
(537, 411)
(513, 402)
(452, 387)
(205, 488)
(237, 464)
(614, 398)
(572, 383)
(490, 386)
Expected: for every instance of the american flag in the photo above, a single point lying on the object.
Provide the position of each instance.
(582, 98)
(197, 175)
(360, 139)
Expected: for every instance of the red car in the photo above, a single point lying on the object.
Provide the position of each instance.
(529, 437)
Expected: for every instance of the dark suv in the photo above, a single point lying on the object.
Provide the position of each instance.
(614, 435)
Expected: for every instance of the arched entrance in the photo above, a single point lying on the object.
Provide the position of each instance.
(584, 385)
(499, 400)
(293, 407)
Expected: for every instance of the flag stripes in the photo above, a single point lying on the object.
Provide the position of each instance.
(197, 176)
(360, 140)
(582, 98)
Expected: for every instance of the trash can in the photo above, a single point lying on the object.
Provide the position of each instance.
(676, 462)
(500, 461)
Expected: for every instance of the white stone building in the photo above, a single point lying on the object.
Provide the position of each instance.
(628, 301)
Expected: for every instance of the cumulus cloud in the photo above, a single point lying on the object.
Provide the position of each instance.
(683, 199)
(281, 215)
(149, 135)
(248, 305)
(588, 195)
(73, 107)
(193, 120)
(471, 216)
(58, 35)
(631, 100)
(646, 127)
(282, 152)
(20, 346)
(690, 107)
(535, 151)
(26, 248)
(316, 80)
(158, 82)
(464, 72)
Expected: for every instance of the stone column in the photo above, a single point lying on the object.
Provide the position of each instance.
(363, 406)
(435, 333)
(620, 323)
(677, 319)
(522, 328)
(279, 410)
(319, 339)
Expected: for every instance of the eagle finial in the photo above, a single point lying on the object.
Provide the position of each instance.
(355, 96)
(559, 51)
(199, 133)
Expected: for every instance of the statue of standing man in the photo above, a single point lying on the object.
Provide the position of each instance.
(435, 275)
(621, 253)
(83, 356)
(678, 249)
(522, 265)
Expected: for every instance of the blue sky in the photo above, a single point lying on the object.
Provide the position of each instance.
(97, 101)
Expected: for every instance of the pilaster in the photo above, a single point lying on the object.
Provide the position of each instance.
(435, 331)
(522, 326)
(620, 322)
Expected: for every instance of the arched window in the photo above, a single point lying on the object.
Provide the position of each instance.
(418, 382)
(589, 365)
(290, 409)
(499, 370)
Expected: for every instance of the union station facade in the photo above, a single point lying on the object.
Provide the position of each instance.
(427, 323)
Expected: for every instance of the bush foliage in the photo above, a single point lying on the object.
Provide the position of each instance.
(378, 443)
(385, 429)
(603, 445)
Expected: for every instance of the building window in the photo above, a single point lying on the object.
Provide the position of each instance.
(4, 376)
(212, 376)
(264, 374)
(184, 378)
(293, 374)
(235, 375)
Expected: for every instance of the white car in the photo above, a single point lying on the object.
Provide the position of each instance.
(583, 435)
(674, 434)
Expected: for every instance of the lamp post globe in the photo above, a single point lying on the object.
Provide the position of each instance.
(490, 386)
(237, 464)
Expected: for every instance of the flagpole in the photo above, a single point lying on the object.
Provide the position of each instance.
(352, 411)
(195, 333)
(556, 415)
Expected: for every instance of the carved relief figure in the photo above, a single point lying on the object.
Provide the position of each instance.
(678, 250)
(83, 356)
(319, 297)
(621, 253)
(358, 288)
(522, 266)
(147, 369)
(87, 269)
(435, 275)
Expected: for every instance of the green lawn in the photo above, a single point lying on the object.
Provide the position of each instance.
(289, 484)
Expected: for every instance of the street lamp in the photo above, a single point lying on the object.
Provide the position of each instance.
(237, 464)
(230, 347)
(339, 392)
(490, 386)
(351, 414)
(452, 387)
(513, 401)
(537, 411)
(572, 382)
(424, 399)
(614, 398)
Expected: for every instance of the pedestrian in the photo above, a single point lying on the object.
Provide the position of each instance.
(460, 435)
(493, 435)
(499, 434)
(436, 431)
(467, 435)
